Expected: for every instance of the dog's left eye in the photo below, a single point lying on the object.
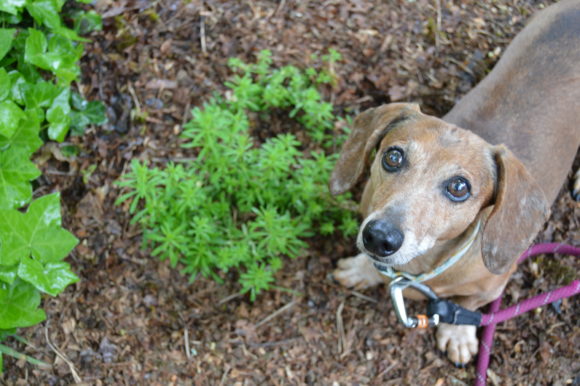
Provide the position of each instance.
(457, 189)
(393, 159)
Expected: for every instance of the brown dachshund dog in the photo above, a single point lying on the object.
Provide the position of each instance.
(499, 157)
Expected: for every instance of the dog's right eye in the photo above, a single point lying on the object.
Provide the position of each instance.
(393, 159)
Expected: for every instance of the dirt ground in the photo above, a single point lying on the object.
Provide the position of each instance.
(134, 320)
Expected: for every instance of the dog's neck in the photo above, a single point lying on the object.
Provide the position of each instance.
(441, 252)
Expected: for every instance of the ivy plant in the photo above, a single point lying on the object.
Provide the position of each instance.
(39, 58)
(244, 204)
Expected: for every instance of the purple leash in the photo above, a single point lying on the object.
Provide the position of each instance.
(445, 311)
(495, 316)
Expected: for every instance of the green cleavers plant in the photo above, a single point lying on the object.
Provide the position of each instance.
(38, 61)
(240, 204)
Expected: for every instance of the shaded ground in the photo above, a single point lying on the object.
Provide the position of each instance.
(132, 319)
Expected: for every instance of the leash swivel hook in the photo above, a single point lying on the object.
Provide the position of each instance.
(396, 288)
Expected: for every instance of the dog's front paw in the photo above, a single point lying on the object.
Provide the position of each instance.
(357, 272)
(460, 342)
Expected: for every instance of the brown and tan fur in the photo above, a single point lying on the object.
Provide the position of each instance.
(514, 137)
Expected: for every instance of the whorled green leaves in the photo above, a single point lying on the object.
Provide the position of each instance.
(243, 205)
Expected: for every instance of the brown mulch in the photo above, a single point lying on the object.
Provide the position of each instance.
(134, 320)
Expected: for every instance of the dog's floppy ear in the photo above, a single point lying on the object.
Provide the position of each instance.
(519, 212)
(368, 129)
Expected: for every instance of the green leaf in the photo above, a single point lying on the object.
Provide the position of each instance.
(25, 138)
(59, 123)
(19, 303)
(78, 102)
(4, 84)
(45, 12)
(17, 82)
(78, 122)
(58, 55)
(10, 116)
(12, 6)
(87, 21)
(6, 333)
(93, 112)
(36, 232)
(35, 46)
(58, 115)
(40, 94)
(96, 113)
(16, 170)
(8, 274)
(51, 278)
(13, 353)
(6, 38)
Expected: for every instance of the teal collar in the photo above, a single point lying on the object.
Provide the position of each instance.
(393, 273)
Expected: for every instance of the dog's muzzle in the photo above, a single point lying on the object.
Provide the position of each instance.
(381, 238)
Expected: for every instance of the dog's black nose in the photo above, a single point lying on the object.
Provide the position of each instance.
(381, 238)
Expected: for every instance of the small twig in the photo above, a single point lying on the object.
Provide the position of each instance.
(186, 341)
(134, 95)
(275, 313)
(438, 24)
(275, 343)
(185, 113)
(280, 6)
(364, 297)
(385, 371)
(224, 376)
(71, 366)
(340, 328)
(228, 298)
(202, 34)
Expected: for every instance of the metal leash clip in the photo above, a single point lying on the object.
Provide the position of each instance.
(396, 288)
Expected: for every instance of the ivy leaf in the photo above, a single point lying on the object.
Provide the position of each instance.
(17, 81)
(36, 232)
(59, 55)
(45, 12)
(16, 170)
(95, 112)
(4, 84)
(8, 274)
(87, 21)
(12, 6)
(6, 38)
(51, 278)
(25, 138)
(10, 116)
(58, 115)
(19, 303)
(40, 94)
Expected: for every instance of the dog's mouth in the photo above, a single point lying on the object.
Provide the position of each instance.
(386, 260)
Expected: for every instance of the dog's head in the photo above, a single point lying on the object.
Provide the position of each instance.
(429, 181)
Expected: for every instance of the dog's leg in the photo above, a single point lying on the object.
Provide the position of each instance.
(460, 342)
(357, 272)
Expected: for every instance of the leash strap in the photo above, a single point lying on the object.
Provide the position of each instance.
(495, 316)
(452, 313)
